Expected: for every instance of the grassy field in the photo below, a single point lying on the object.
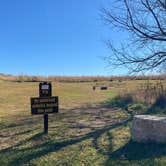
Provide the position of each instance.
(86, 132)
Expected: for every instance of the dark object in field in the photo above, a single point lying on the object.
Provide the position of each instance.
(103, 88)
(94, 88)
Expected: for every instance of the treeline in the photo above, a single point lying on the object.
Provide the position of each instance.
(27, 78)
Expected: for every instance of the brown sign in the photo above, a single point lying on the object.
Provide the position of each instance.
(44, 105)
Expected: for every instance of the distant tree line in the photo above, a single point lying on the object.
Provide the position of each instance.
(76, 79)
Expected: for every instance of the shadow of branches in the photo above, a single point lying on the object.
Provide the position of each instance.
(138, 151)
(24, 155)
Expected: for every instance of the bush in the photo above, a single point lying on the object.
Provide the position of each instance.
(120, 101)
(161, 101)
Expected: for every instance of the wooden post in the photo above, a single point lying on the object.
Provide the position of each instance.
(45, 123)
(45, 92)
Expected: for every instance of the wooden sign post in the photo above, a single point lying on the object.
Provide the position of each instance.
(45, 103)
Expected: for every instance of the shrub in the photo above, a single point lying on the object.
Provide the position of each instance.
(120, 101)
(160, 101)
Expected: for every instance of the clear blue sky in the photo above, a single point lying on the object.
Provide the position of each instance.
(53, 37)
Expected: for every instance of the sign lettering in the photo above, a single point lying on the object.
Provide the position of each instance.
(44, 105)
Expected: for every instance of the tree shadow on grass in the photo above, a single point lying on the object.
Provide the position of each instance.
(139, 151)
(132, 151)
(25, 155)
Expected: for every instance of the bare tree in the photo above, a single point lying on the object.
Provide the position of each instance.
(145, 23)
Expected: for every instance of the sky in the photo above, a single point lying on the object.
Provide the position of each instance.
(54, 37)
